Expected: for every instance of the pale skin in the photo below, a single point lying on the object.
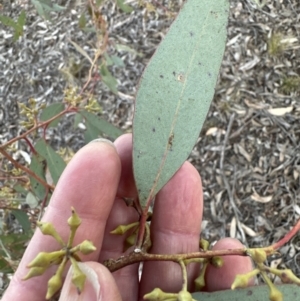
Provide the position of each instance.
(94, 183)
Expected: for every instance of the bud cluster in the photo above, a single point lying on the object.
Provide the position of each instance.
(46, 259)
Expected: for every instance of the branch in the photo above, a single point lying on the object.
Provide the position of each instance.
(25, 169)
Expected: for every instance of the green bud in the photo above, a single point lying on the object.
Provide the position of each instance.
(78, 277)
(35, 271)
(74, 221)
(130, 240)
(44, 259)
(158, 295)
(87, 247)
(184, 296)
(258, 255)
(200, 280)
(242, 280)
(48, 229)
(121, 229)
(54, 285)
(275, 294)
(204, 244)
(217, 261)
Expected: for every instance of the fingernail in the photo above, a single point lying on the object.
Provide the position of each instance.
(91, 291)
(103, 140)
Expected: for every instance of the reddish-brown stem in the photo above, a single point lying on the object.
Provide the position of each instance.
(117, 264)
(140, 236)
(30, 145)
(44, 203)
(24, 168)
(287, 237)
(42, 124)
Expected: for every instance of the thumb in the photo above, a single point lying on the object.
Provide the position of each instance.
(99, 285)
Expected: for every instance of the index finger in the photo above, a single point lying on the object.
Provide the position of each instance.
(89, 184)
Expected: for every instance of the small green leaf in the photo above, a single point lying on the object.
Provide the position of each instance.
(82, 21)
(124, 7)
(55, 163)
(108, 60)
(50, 111)
(81, 51)
(125, 48)
(4, 264)
(22, 18)
(97, 126)
(20, 189)
(117, 61)
(175, 93)
(56, 7)
(108, 79)
(22, 218)
(41, 8)
(77, 119)
(32, 200)
(38, 166)
(15, 244)
(7, 21)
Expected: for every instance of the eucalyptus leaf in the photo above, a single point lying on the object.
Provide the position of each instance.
(22, 18)
(175, 93)
(41, 8)
(117, 61)
(108, 79)
(38, 166)
(290, 292)
(7, 21)
(77, 119)
(32, 200)
(97, 126)
(51, 111)
(55, 163)
(22, 218)
(124, 7)
(82, 21)
(20, 189)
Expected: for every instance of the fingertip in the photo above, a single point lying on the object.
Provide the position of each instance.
(127, 186)
(222, 278)
(99, 285)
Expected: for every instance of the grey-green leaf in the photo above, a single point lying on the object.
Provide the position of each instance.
(55, 163)
(290, 293)
(38, 166)
(50, 111)
(124, 7)
(175, 93)
(97, 126)
(22, 218)
(108, 79)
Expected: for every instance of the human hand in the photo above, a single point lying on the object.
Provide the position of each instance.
(94, 183)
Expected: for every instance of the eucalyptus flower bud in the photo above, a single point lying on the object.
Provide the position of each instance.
(44, 259)
(158, 295)
(74, 221)
(258, 255)
(78, 277)
(35, 271)
(87, 247)
(48, 229)
(243, 280)
(184, 296)
(275, 294)
(217, 261)
(54, 285)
